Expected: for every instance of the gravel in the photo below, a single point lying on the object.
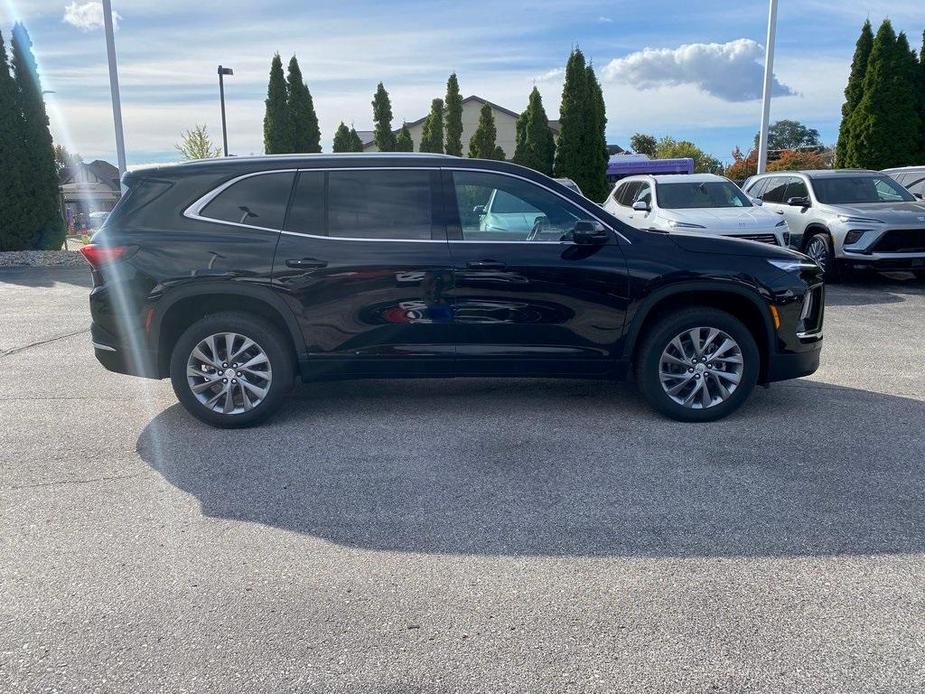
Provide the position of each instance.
(462, 535)
(42, 259)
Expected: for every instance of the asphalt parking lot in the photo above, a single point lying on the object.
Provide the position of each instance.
(468, 535)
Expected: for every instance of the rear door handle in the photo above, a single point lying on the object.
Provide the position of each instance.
(304, 263)
(485, 265)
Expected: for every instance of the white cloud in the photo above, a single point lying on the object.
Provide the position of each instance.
(731, 71)
(605, 20)
(87, 16)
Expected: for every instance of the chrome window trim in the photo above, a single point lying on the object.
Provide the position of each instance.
(194, 211)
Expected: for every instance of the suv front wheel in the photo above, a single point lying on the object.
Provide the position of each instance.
(819, 248)
(697, 365)
(231, 369)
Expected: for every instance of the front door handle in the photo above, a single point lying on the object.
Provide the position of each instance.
(304, 263)
(485, 265)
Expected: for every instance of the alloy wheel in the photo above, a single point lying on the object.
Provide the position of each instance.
(818, 250)
(701, 367)
(229, 373)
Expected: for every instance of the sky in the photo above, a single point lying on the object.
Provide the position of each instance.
(691, 70)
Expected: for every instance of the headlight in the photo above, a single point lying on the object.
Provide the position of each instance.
(848, 219)
(683, 225)
(781, 223)
(794, 265)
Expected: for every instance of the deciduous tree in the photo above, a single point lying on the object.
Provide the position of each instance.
(196, 144)
(643, 144)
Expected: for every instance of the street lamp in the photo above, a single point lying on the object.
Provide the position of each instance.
(768, 84)
(222, 71)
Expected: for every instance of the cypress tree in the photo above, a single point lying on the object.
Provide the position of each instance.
(853, 93)
(17, 223)
(432, 135)
(277, 131)
(356, 144)
(536, 147)
(404, 143)
(304, 134)
(454, 110)
(342, 139)
(884, 126)
(574, 115)
(482, 144)
(597, 156)
(40, 179)
(922, 100)
(382, 115)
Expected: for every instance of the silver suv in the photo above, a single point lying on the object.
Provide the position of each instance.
(847, 219)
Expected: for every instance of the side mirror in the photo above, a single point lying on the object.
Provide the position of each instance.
(589, 232)
(641, 206)
(798, 202)
(918, 195)
(479, 209)
(756, 201)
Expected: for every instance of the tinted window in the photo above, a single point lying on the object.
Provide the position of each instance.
(777, 186)
(256, 200)
(758, 187)
(796, 189)
(840, 190)
(629, 193)
(306, 213)
(706, 194)
(529, 212)
(380, 204)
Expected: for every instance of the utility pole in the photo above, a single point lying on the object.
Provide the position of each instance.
(114, 84)
(768, 82)
(222, 71)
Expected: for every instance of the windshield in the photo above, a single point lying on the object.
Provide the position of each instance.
(685, 196)
(505, 203)
(842, 190)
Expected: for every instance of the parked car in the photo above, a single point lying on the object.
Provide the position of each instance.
(847, 218)
(230, 276)
(912, 178)
(696, 203)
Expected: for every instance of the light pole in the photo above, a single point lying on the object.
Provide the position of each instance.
(768, 81)
(222, 71)
(114, 84)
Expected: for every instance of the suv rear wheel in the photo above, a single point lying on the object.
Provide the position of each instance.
(231, 369)
(697, 364)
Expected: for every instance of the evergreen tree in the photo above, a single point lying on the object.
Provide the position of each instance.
(356, 144)
(921, 88)
(432, 135)
(382, 115)
(454, 110)
(40, 176)
(482, 144)
(853, 93)
(342, 139)
(596, 187)
(884, 126)
(17, 223)
(304, 134)
(404, 143)
(536, 147)
(277, 131)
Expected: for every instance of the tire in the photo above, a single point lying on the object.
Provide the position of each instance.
(825, 256)
(271, 374)
(701, 375)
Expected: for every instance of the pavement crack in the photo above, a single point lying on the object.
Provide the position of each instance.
(8, 352)
(61, 483)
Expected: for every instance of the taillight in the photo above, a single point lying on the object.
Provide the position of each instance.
(98, 255)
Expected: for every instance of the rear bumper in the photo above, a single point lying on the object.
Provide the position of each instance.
(116, 357)
(782, 367)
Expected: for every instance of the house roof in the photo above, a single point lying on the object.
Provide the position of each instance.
(367, 135)
(102, 170)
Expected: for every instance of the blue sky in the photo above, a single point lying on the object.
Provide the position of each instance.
(685, 69)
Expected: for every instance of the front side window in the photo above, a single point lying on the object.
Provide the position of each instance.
(757, 188)
(494, 207)
(629, 193)
(706, 194)
(381, 204)
(644, 194)
(796, 189)
(842, 190)
(258, 201)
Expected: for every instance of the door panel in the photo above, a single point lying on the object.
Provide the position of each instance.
(371, 299)
(542, 304)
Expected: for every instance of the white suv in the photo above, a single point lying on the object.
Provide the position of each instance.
(847, 219)
(696, 203)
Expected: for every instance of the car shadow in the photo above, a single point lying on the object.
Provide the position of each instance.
(46, 276)
(493, 467)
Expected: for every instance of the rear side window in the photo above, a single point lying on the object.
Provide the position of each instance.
(306, 214)
(777, 186)
(258, 200)
(394, 204)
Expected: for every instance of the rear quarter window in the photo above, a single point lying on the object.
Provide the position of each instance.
(259, 200)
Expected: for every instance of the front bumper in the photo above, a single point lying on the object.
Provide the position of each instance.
(782, 367)
(884, 262)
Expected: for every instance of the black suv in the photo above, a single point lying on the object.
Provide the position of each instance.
(232, 276)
